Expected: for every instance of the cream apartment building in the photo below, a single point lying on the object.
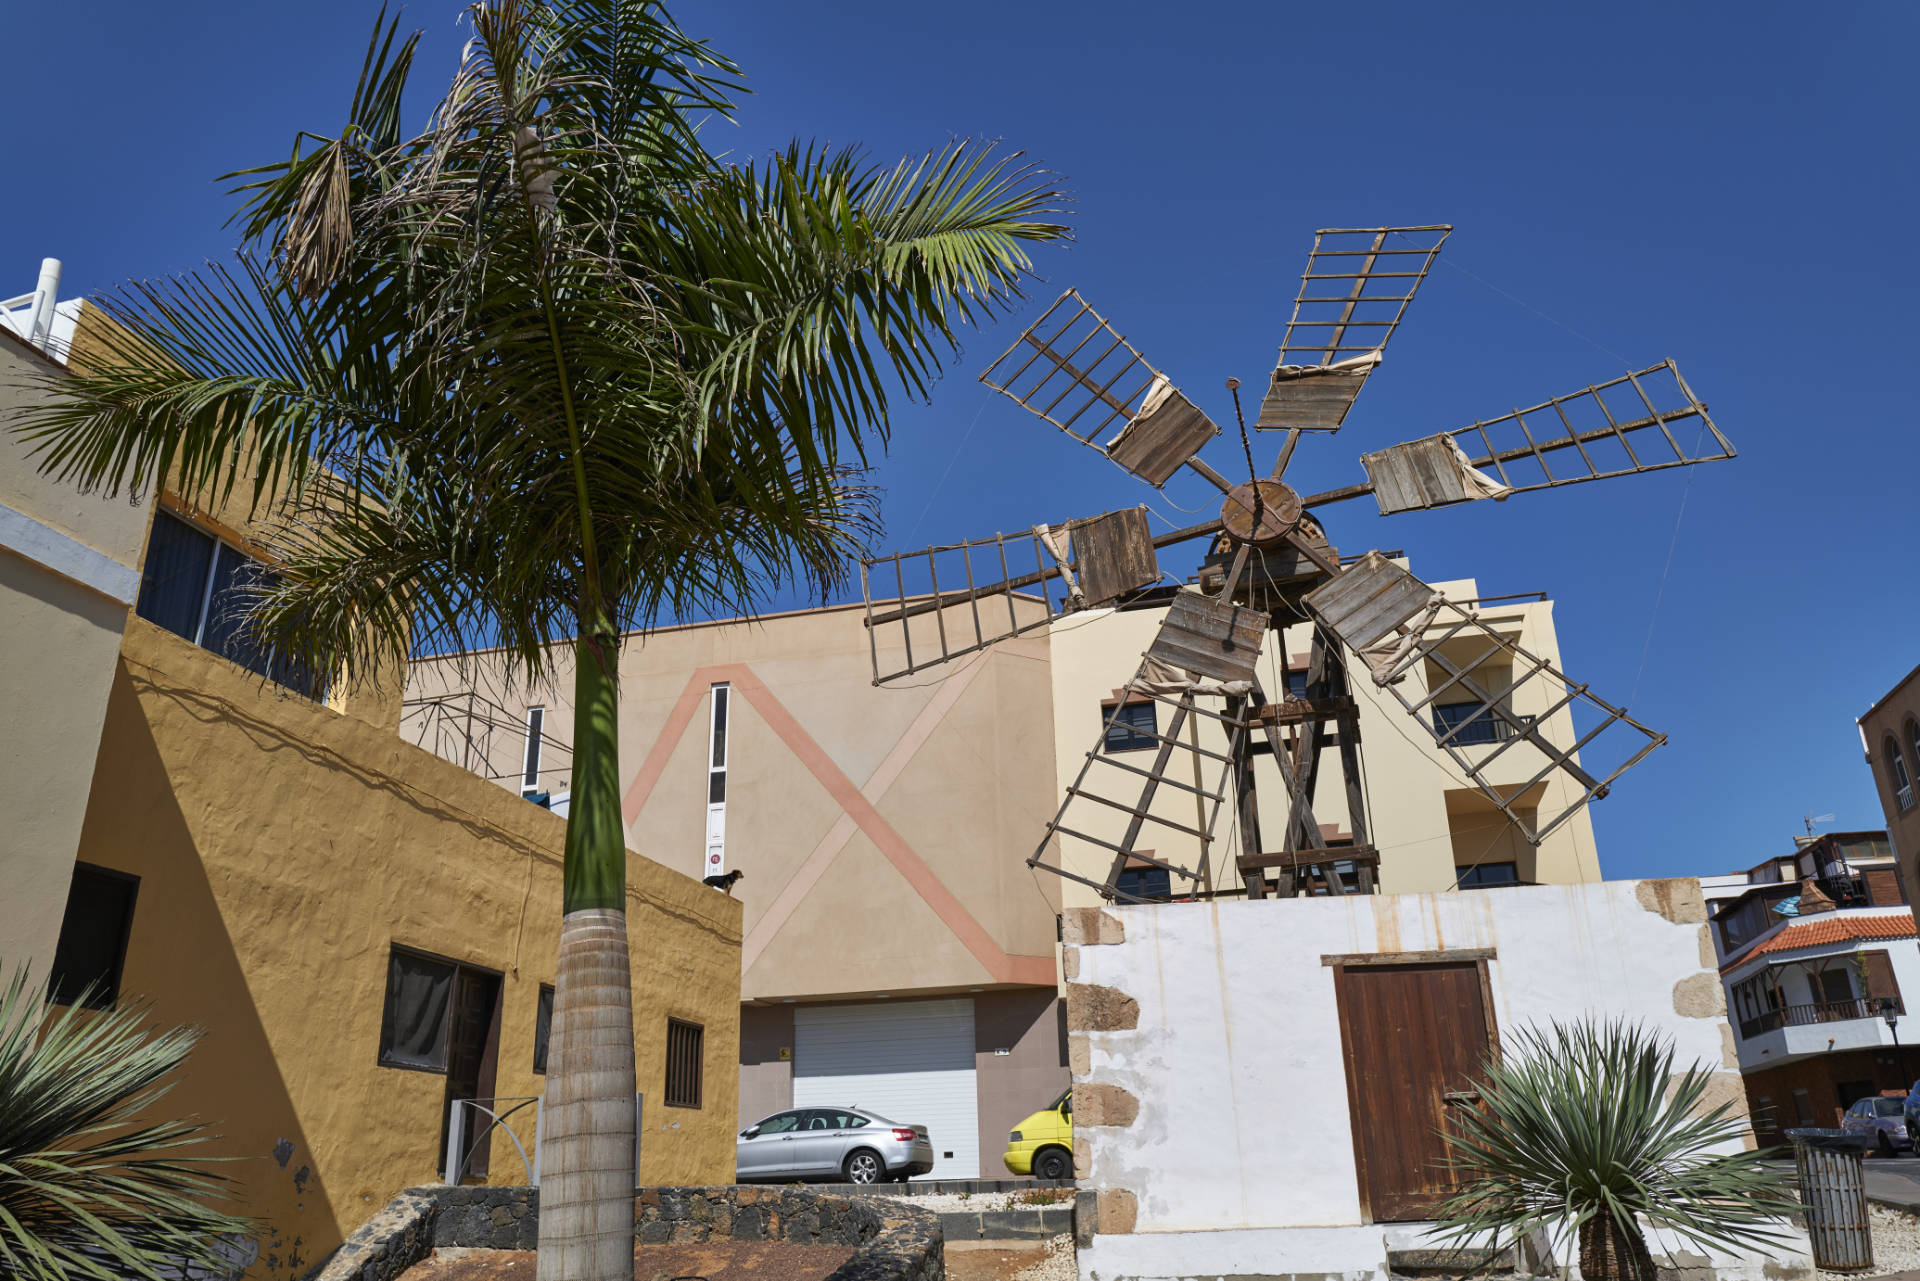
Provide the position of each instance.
(899, 953)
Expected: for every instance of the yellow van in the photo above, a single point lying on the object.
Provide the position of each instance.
(1043, 1145)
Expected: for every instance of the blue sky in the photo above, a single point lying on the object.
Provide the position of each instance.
(1731, 186)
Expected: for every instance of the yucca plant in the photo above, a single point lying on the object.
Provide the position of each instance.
(1588, 1132)
(533, 378)
(91, 1183)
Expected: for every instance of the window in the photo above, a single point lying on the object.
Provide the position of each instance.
(195, 586)
(413, 1027)
(542, 1028)
(1480, 876)
(1913, 751)
(1472, 723)
(1897, 777)
(782, 1123)
(1889, 1107)
(1297, 684)
(1833, 985)
(1131, 727)
(716, 856)
(684, 1063)
(530, 773)
(1146, 881)
(92, 948)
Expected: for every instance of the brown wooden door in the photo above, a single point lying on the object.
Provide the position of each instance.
(473, 1047)
(1414, 1035)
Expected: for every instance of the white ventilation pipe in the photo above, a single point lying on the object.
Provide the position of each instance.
(45, 294)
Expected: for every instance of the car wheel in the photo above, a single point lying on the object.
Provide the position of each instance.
(1053, 1163)
(864, 1167)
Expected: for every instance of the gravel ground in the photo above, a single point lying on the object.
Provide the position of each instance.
(1059, 1265)
(1896, 1244)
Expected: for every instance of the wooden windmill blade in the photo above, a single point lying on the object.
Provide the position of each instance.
(1643, 421)
(1353, 295)
(1485, 701)
(927, 607)
(1079, 373)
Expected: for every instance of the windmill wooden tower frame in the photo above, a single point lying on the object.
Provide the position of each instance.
(1269, 564)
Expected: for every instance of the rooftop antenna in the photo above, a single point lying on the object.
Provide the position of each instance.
(1811, 819)
(1267, 562)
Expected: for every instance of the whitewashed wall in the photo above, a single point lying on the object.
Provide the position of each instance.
(1241, 1134)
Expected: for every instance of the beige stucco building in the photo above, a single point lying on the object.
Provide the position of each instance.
(365, 932)
(899, 953)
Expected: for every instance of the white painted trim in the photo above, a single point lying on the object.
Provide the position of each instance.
(66, 556)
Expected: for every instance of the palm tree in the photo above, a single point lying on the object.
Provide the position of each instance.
(536, 377)
(90, 1185)
(1588, 1131)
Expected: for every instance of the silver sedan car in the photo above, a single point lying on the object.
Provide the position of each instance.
(831, 1143)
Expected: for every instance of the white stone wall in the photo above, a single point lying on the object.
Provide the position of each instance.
(1211, 1112)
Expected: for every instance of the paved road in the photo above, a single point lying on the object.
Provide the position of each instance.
(1895, 1179)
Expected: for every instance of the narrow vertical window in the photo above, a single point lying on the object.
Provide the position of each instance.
(716, 856)
(685, 1063)
(530, 776)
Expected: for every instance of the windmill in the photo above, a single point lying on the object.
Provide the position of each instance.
(1268, 563)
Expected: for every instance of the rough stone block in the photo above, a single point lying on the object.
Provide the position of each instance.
(1094, 1008)
(1117, 1211)
(1097, 1103)
(1699, 996)
(1086, 1217)
(1070, 962)
(1082, 1158)
(1079, 1055)
(1676, 898)
(1089, 925)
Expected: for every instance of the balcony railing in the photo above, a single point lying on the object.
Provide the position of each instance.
(1472, 724)
(1859, 1007)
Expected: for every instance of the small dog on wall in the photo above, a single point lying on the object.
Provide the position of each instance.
(724, 882)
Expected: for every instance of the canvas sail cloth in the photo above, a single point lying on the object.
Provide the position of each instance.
(1432, 472)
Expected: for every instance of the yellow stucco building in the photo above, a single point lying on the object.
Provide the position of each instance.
(364, 931)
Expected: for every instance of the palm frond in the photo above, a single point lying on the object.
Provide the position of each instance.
(91, 1184)
(1591, 1120)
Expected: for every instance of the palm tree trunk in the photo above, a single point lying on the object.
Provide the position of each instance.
(1611, 1251)
(587, 1174)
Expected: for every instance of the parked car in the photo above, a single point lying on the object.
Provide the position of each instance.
(1912, 1111)
(1043, 1145)
(1881, 1118)
(831, 1143)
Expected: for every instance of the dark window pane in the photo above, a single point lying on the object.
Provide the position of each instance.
(1132, 729)
(781, 1123)
(1297, 684)
(1482, 875)
(542, 1028)
(1146, 882)
(536, 719)
(93, 936)
(719, 726)
(717, 787)
(173, 584)
(414, 1029)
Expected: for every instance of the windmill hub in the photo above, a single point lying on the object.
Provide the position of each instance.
(1278, 507)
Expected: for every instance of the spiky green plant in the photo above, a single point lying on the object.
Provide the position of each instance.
(534, 378)
(1588, 1132)
(91, 1184)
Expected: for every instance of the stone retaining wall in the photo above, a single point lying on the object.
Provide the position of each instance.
(893, 1240)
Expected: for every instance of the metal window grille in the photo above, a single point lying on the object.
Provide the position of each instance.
(685, 1063)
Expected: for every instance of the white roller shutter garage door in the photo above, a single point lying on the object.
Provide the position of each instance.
(909, 1061)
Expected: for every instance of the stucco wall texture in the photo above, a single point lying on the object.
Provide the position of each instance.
(282, 850)
(60, 638)
(1179, 1051)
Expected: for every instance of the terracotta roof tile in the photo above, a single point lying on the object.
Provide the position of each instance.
(1832, 929)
